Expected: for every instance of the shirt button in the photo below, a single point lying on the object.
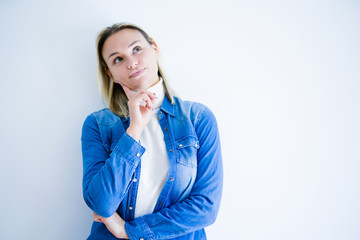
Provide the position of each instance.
(130, 208)
(170, 150)
(138, 154)
(160, 112)
(171, 179)
(166, 129)
(134, 180)
(160, 204)
(180, 145)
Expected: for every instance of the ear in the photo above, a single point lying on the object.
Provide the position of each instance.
(109, 74)
(155, 47)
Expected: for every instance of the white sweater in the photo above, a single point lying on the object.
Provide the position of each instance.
(154, 162)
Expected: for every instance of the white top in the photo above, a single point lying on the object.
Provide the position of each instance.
(154, 162)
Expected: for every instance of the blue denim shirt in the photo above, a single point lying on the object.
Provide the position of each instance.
(190, 198)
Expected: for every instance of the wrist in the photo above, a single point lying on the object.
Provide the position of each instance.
(121, 231)
(134, 132)
(124, 234)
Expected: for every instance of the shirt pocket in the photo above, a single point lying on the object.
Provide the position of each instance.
(186, 151)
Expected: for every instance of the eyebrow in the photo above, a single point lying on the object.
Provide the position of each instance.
(131, 44)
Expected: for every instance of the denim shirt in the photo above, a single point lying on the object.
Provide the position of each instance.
(190, 198)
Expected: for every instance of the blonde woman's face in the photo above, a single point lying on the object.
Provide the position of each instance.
(131, 60)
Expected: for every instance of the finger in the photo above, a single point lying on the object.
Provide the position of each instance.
(146, 101)
(149, 105)
(151, 95)
(139, 97)
(143, 98)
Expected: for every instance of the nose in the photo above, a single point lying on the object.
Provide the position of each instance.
(132, 63)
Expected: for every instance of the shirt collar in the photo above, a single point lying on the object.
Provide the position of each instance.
(168, 107)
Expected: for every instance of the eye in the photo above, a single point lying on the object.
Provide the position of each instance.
(117, 59)
(137, 49)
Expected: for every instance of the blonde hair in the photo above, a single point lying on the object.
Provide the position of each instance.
(111, 92)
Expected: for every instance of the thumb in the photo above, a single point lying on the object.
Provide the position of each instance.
(96, 217)
(126, 90)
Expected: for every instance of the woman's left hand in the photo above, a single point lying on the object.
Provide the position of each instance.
(115, 224)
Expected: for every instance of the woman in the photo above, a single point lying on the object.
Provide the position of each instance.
(152, 162)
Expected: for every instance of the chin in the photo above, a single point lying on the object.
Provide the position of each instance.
(140, 87)
(143, 82)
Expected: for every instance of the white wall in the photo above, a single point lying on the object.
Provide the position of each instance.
(282, 78)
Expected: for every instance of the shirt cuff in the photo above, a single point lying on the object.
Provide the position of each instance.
(129, 149)
(138, 230)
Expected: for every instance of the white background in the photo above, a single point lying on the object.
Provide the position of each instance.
(282, 77)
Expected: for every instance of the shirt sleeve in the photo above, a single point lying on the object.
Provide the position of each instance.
(201, 207)
(106, 177)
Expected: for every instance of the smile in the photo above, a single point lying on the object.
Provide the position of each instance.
(137, 73)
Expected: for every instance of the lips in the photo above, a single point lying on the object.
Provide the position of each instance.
(137, 73)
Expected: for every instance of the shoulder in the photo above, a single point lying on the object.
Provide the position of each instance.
(102, 117)
(103, 124)
(201, 118)
(194, 110)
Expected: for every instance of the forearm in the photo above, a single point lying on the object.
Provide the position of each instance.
(106, 182)
(107, 188)
(174, 221)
